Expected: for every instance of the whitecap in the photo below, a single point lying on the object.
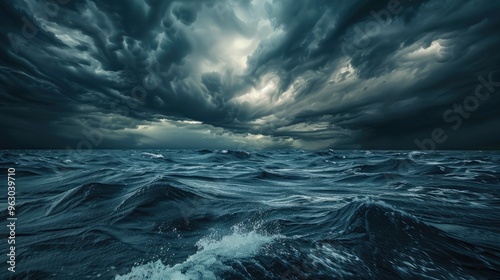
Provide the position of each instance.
(207, 261)
(151, 155)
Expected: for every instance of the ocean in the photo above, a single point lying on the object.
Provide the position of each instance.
(222, 214)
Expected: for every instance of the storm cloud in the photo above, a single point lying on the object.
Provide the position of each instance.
(250, 74)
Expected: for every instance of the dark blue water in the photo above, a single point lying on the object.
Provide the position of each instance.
(127, 214)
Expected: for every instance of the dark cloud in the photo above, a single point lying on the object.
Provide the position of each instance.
(393, 74)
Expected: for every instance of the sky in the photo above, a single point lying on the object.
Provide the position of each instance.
(288, 74)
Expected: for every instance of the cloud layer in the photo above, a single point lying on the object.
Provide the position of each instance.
(250, 74)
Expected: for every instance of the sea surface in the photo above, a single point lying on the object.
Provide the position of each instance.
(221, 214)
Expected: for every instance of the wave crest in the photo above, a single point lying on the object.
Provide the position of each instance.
(210, 259)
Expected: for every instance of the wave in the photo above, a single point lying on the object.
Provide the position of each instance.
(224, 156)
(416, 154)
(370, 219)
(364, 238)
(151, 155)
(329, 152)
(155, 192)
(87, 194)
(436, 170)
(235, 154)
(159, 157)
(273, 175)
(209, 261)
(393, 239)
(204, 151)
(160, 197)
(399, 165)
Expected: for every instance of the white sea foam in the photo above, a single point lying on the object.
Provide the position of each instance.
(151, 155)
(414, 154)
(333, 261)
(207, 261)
